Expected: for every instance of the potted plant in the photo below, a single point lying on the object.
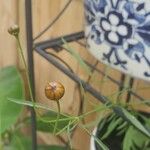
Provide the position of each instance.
(116, 34)
(118, 134)
(57, 122)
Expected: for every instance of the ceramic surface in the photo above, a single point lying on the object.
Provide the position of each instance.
(92, 141)
(118, 34)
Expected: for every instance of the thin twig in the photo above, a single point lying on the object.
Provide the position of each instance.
(58, 116)
(26, 68)
(54, 20)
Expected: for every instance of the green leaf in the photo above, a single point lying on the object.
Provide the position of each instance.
(51, 147)
(97, 140)
(112, 126)
(23, 142)
(127, 140)
(134, 121)
(11, 85)
(146, 120)
(33, 104)
(100, 143)
(134, 139)
(20, 142)
(77, 57)
(46, 122)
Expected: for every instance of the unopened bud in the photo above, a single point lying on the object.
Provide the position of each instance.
(54, 91)
(14, 30)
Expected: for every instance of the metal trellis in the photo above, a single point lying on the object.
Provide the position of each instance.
(56, 45)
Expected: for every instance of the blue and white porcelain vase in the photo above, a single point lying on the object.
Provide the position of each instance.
(118, 34)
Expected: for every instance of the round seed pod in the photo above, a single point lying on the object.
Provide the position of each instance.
(54, 91)
(14, 30)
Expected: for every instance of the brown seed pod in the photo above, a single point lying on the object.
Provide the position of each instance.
(54, 91)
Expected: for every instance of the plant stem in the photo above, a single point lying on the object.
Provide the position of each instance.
(98, 141)
(58, 116)
(104, 107)
(26, 68)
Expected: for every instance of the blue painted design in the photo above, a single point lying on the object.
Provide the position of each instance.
(119, 23)
(118, 61)
(111, 28)
(117, 4)
(134, 11)
(114, 3)
(100, 5)
(96, 35)
(136, 51)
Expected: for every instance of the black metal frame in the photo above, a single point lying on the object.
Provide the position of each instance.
(28, 14)
(56, 45)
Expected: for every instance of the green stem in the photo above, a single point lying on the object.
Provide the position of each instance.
(26, 68)
(60, 120)
(58, 116)
(95, 110)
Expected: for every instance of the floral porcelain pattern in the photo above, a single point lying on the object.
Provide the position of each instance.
(118, 34)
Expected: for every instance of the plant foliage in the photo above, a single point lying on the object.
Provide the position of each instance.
(11, 85)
